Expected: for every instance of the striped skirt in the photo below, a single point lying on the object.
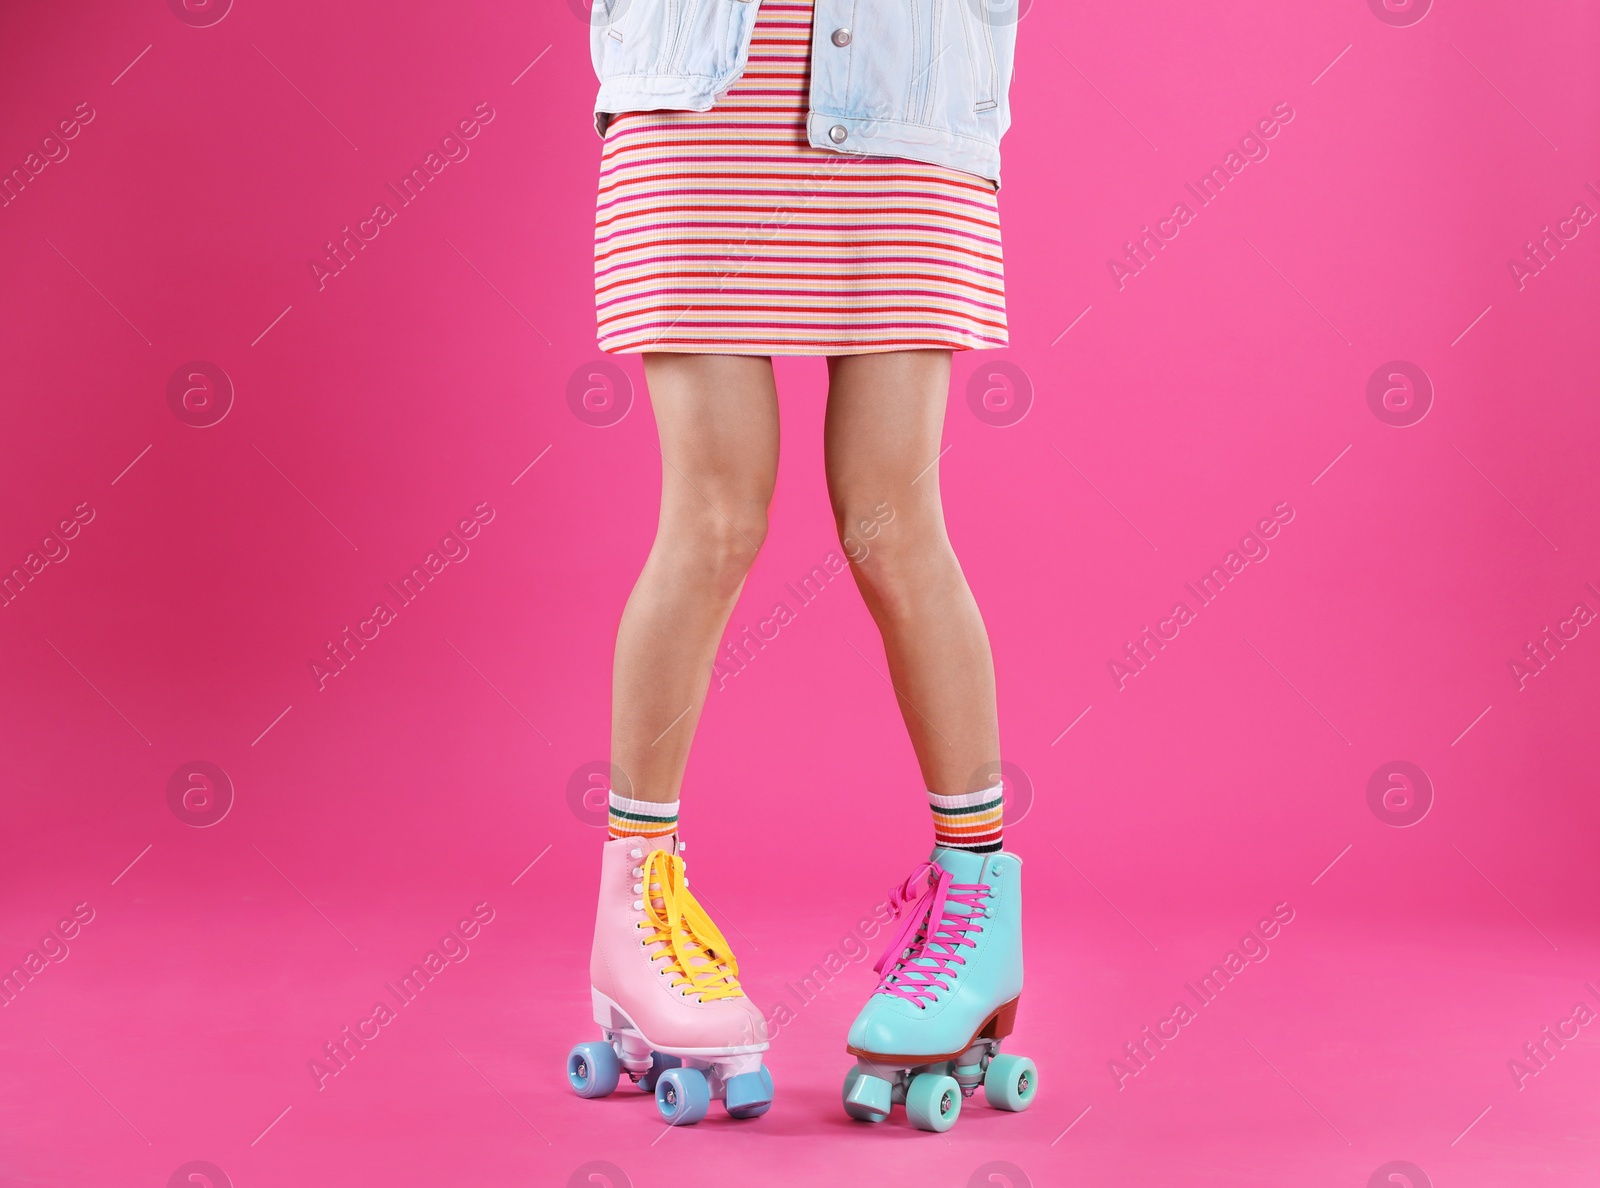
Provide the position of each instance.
(725, 232)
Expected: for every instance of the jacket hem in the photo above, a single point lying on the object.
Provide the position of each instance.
(871, 136)
(650, 92)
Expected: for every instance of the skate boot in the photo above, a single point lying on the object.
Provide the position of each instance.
(950, 980)
(666, 994)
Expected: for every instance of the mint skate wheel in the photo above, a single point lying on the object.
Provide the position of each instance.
(659, 1063)
(866, 1098)
(749, 1095)
(1011, 1082)
(593, 1069)
(682, 1096)
(933, 1102)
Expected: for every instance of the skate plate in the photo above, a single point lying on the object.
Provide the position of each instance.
(932, 1088)
(684, 1080)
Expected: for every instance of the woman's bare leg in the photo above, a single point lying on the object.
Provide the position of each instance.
(717, 418)
(885, 419)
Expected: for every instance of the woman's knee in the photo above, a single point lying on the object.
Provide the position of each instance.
(896, 553)
(719, 540)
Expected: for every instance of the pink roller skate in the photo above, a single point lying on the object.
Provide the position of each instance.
(666, 994)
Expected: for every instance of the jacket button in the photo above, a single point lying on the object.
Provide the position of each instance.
(841, 37)
(838, 133)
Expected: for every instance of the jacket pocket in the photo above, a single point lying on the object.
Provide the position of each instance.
(633, 36)
(978, 35)
(662, 37)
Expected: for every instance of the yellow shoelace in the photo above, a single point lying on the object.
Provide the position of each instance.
(698, 952)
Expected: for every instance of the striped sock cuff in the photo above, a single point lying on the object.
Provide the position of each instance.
(641, 818)
(971, 821)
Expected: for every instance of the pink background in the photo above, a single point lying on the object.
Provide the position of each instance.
(1167, 417)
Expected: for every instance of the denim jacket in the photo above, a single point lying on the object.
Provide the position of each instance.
(924, 79)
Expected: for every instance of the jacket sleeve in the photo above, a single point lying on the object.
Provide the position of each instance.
(601, 14)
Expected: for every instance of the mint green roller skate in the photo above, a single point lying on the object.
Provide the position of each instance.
(947, 996)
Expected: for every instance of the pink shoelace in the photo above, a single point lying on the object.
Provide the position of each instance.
(923, 953)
